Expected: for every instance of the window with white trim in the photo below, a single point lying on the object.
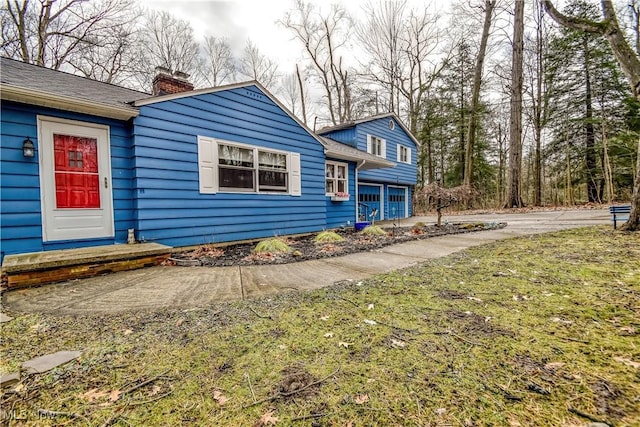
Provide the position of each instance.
(404, 154)
(233, 167)
(376, 146)
(336, 178)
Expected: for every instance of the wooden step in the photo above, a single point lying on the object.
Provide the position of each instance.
(39, 268)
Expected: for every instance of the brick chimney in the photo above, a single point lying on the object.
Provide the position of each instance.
(165, 82)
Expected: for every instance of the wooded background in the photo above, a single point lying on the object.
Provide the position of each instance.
(510, 108)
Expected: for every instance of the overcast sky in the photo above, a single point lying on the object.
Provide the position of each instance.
(238, 20)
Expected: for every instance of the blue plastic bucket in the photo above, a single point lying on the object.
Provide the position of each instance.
(361, 225)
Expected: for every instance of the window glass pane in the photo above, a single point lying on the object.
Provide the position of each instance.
(235, 178)
(235, 156)
(330, 186)
(342, 186)
(268, 160)
(272, 180)
(341, 172)
(329, 171)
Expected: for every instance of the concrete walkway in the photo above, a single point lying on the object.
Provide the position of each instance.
(188, 287)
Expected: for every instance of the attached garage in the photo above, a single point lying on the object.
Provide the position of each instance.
(370, 199)
(397, 202)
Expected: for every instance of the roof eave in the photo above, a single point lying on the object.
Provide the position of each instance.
(45, 99)
(370, 163)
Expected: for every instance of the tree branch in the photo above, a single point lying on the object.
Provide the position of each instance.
(573, 22)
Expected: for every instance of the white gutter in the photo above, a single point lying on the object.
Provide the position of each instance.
(62, 102)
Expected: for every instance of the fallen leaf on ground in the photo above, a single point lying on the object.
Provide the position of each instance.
(628, 330)
(370, 322)
(361, 398)
(344, 344)
(553, 365)
(627, 362)
(398, 343)
(328, 335)
(93, 394)
(127, 332)
(559, 320)
(474, 299)
(180, 322)
(370, 307)
(441, 411)
(325, 318)
(114, 395)
(219, 397)
(155, 390)
(267, 420)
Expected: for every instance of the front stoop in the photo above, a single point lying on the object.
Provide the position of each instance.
(39, 268)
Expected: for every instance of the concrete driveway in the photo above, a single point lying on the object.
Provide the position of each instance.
(188, 287)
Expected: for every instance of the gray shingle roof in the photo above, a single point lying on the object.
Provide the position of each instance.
(32, 77)
(346, 152)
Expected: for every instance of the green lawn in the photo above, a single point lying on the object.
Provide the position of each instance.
(538, 331)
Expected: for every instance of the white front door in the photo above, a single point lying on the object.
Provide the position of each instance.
(75, 180)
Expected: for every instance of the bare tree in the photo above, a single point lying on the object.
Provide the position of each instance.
(475, 96)
(168, 43)
(381, 36)
(629, 62)
(303, 96)
(540, 79)
(256, 66)
(290, 91)
(48, 33)
(217, 64)
(514, 198)
(401, 44)
(323, 37)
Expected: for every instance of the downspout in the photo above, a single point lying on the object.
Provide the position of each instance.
(358, 166)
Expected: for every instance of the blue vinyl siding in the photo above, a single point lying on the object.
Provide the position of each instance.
(169, 206)
(343, 213)
(403, 174)
(20, 210)
(346, 136)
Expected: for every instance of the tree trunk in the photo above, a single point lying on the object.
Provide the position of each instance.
(590, 139)
(514, 198)
(633, 224)
(568, 193)
(608, 175)
(477, 82)
(304, 106)
(501, 158)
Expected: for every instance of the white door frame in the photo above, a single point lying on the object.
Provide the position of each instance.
(72, 224)
(406, 198)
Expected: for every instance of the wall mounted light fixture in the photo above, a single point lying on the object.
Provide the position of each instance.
(28, 149)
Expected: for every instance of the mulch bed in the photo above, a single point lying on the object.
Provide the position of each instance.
(304, 248)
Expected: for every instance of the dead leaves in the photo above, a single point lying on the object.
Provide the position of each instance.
(627, 362)
(267, 419)
(220, 398)
(361, 399)
(96, 395)
(398, 343)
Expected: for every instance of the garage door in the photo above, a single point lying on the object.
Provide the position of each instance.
(369, 199)
(397, 202)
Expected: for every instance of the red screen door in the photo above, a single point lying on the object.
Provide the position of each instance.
(76, 172)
